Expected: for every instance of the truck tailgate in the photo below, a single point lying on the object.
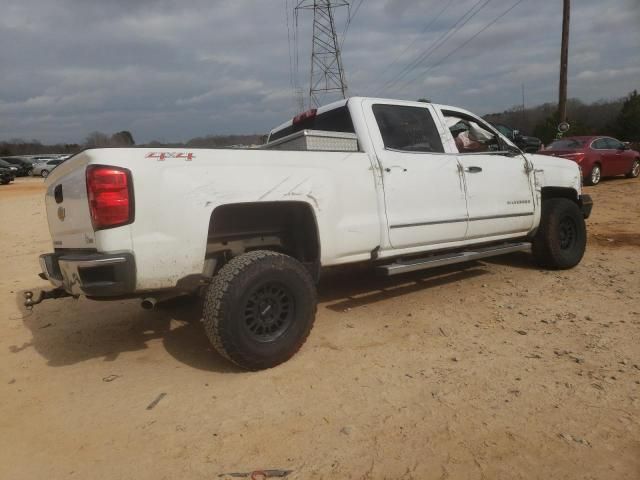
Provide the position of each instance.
(67, 206)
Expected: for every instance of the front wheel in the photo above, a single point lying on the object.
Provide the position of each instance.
(44, 173)
(562, 236)
(595, 175)
(635, 169)
(259, 309)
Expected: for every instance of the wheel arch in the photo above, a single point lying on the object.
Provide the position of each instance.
(293, 222)
(560, 192)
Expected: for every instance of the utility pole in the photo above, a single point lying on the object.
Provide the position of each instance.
(564, 61)
(327, 74)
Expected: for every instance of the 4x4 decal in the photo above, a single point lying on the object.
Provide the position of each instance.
(161, 156)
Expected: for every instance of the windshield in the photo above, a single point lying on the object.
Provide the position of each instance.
(566, 144)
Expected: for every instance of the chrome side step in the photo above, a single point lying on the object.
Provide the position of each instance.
(404, 266)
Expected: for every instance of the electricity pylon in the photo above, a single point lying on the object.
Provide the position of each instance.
(327, 74)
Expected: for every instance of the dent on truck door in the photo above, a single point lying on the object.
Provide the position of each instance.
(423, 187)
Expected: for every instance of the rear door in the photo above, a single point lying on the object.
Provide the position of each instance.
(499, 184)
(423, 187)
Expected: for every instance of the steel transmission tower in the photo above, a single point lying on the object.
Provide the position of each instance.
(327, 73)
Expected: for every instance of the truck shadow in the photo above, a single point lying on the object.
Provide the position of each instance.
(520, 260)
(356, 287)
(68, 331)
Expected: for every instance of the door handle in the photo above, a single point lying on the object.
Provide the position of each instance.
(388, 169)
(473, 169)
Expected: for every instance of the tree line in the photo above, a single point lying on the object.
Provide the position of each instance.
(19, 146)
(618, 118)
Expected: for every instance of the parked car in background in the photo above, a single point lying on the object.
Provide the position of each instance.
(42, 158)
(11, 167)
(6, 175)
(44, 169)
(524, 143)
(597, 156)
(23, 165)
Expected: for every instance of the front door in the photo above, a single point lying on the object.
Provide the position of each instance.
(423, 186)
(619, 158)
(499, 189)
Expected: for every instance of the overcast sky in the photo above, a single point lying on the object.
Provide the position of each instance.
(172, 70)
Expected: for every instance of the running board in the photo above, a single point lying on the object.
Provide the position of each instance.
(451, 258)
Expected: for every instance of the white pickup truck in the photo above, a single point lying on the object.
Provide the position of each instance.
(399, 185)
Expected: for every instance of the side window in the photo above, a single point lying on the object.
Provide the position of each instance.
(613, 144)
(600, 144)
(470, 134)
(409, 129)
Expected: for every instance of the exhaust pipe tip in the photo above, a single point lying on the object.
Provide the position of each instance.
(148, 303)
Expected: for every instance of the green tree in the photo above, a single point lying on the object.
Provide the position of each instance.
(547, 129)
(627, 124)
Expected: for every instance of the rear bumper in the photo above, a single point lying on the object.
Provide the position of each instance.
(586, 204)
(91, 274)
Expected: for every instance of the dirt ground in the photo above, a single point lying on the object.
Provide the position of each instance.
(493, 370)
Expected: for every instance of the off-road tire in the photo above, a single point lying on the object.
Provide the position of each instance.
(635, 169)
(230, 295)
(561, 239)
(593, 178)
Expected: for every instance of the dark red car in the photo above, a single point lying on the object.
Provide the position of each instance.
(597, 156)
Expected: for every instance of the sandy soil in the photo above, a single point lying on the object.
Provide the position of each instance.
(494, 370)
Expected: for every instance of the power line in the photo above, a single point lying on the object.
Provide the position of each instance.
(434, 20)
(455, 28)
(349, 20)
(466, 42)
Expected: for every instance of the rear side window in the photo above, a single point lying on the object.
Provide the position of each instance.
(335, 120)
(600, 144)
(408, 129)
(614, 144)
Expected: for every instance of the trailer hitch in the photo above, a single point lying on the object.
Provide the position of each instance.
(59, 292)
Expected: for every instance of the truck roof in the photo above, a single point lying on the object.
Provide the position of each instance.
(342, 103)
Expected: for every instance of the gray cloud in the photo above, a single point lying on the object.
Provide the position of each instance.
(174, 70)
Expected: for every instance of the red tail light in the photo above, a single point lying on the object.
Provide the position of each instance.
(110, 194)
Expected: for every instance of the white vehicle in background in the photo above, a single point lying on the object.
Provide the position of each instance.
(400, 186)
(44, 168)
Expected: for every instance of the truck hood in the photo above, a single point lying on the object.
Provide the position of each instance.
(556, 172)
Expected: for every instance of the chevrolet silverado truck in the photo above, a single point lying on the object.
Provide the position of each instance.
(400, 186)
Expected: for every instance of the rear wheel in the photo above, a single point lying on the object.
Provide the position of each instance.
(635, 169)
(562, 236)
(595, 175)
(44, 173)
(259, 309)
